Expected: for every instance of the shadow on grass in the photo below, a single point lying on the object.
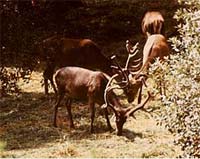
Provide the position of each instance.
(26, 121)
(131, 135)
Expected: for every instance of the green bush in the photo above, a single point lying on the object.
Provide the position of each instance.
(180, 110)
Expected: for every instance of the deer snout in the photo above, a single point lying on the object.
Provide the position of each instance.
(120, 123)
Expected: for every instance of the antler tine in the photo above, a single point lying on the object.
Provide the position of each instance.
(138, 60)
(129, 57)
(121, 70)
(107, 90)
(131, 49)
(135, 68)
(140, 71)
(139, 106)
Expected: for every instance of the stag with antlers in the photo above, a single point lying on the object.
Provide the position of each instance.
(156, 46)
(94, 86)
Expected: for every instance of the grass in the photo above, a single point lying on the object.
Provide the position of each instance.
(27, 130)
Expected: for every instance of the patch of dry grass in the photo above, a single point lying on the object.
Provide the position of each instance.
(27, 130)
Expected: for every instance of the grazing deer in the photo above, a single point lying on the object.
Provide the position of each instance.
(153, 23)
(58, 51)
(84, 84)
(156, 46)
(121, 113)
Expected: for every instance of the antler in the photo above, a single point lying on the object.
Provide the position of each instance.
(108, 89)
(124, 74)
(139, 106)
(133, 51)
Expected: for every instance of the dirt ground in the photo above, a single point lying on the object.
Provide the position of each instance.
(27, 131)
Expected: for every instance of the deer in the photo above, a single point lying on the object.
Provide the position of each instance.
(152, 23)
(93, 86)
(58, 51)
(156, 46)
(121, 114)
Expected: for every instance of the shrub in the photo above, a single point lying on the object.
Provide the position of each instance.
(180, 110)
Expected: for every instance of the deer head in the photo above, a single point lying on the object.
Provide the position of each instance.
(135, 83)
(130, 84)
(134, 80)
(121, 114)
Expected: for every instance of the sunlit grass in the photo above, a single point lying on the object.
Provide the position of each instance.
(27, 129)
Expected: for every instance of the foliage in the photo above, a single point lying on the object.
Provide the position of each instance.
(181, 74)
(9, 78)
(16, 45)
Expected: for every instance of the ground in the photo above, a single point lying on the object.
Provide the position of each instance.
(27, 130)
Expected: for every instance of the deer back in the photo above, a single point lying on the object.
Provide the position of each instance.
(155, 46)
(153, 23)
(84, 53)
(80, 83)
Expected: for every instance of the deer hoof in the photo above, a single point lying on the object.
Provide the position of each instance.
(111, 129)
(55, 125)
(72, 127)
(91, 131)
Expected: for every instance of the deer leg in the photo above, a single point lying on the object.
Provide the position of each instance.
(48, 75)
(61, 95)
(68, 104)
(92, 110)
(52, 84)
(45, 82)
(107, 119)
(140, 95)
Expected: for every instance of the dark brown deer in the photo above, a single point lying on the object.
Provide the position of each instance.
(84, 84)
(121, 113)
(133, 83)
(153, 23)
(58, 51)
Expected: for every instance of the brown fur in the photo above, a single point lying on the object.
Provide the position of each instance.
(58, 51)
(155, 46)
(84, 84)
(153, 23)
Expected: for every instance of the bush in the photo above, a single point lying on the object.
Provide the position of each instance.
(9, 78)
(180, 110)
